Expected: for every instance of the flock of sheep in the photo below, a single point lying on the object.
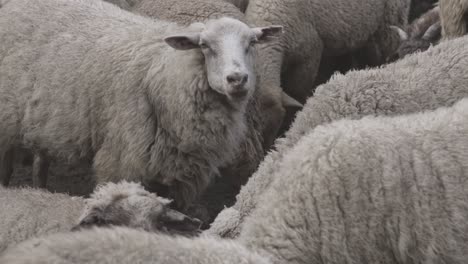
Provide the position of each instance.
(236, 131)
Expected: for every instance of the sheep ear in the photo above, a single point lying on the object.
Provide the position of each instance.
(433, 32)
(94, 218)
(183, 42)
(288, 101)
(175, 221)
(403, 35)
(265, 34)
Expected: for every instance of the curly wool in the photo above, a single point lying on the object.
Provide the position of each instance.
(375, 190)
(422, 81)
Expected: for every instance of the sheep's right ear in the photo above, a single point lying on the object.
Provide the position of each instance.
(184, 42)
(433, 32)
(403, 35)
(265, 34)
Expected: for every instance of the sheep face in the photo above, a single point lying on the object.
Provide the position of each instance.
(128, 204)
(409, 45)
(227, 45)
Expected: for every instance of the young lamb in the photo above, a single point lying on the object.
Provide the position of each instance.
(145, 100)
(454, 18)
(419, 36)
(27, 213)
(376, 190)
(126, 246)
(423, 81)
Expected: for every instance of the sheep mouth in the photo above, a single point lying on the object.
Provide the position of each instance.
(239, 95)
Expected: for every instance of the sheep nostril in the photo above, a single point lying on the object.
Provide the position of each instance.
(237, 78)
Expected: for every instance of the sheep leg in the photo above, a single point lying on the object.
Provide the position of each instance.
(40, 169)
(6, 167)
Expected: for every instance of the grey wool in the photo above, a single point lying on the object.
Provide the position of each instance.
(126, 246)
(454, 18)
(27, 213)
(316, 28)
(125, 96)
(377, 190)
(422, 81)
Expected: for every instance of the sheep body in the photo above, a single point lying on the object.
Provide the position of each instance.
(30, 212)
(423, 81)
(113, 99)
(220, 193)
(121, 245)
(454, 18)
(26, 213)
(375, 190)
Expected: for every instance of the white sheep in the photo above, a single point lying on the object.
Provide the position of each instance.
(27, 212)
(454, 18)
(422, 81)
(126, 246)
(125, 96)
(316, 29)
(252, 149)
(375, 190)
(271, 105)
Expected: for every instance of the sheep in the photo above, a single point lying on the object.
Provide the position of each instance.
(123, 245)
(30, 212)
(422, 81)
(316, 28)
(420, 35)
(125, 96)
(454, 18)
(375, 190)
(252, 149)
(187, 12)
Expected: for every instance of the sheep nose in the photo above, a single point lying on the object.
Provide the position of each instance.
(237, 79)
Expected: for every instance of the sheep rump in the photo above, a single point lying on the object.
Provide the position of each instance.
(375, 190)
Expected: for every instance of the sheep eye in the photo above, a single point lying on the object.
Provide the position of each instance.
(204, 46)
(251, 43)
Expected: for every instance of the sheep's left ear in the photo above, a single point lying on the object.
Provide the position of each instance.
(176, 222)
(94, 218)
(184, 42)
(265, 34)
